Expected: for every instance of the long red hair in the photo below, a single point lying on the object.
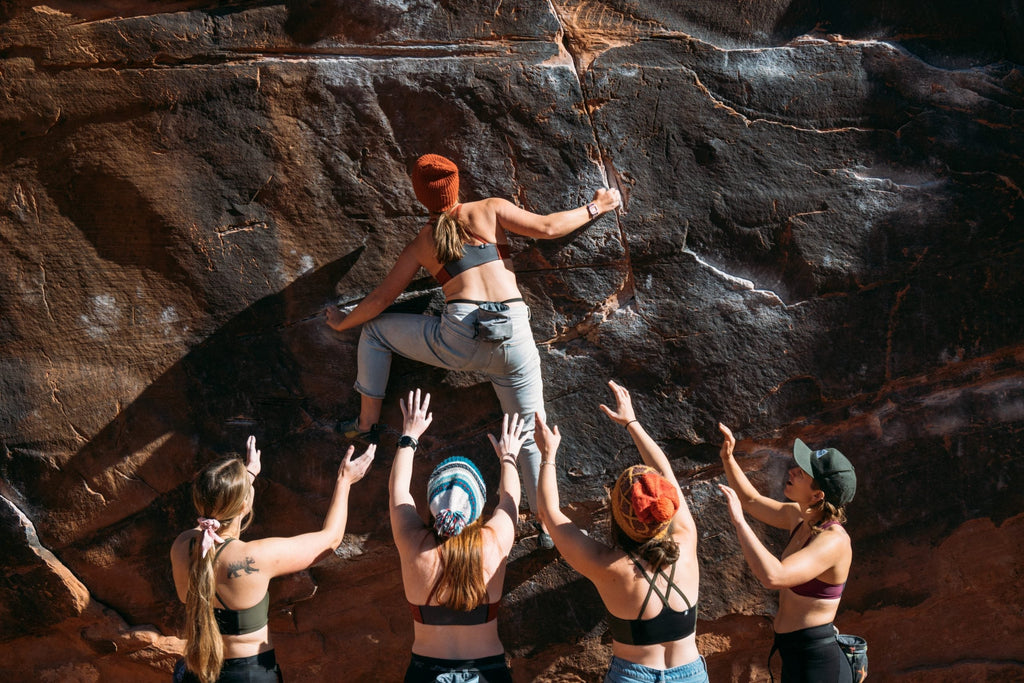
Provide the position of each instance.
(461, 585)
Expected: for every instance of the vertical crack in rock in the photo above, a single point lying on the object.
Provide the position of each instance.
(575, 43)
(42, 292)
(889, 336)
(521, 198)
(594, 28)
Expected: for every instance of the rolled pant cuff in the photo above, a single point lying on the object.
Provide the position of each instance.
(366, 393)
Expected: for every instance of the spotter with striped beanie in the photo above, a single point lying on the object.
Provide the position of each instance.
(457, 494)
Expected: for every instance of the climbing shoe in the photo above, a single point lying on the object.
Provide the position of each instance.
(543, 538)
(350, 430)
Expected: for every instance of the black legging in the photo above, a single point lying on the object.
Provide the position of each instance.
(484, 670)
(812, 655)
(260, 668)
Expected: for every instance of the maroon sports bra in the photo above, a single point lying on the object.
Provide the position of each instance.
(816, 588)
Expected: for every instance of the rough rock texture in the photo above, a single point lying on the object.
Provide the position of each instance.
(821, 239)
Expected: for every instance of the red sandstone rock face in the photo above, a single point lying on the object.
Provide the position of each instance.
(820, 240)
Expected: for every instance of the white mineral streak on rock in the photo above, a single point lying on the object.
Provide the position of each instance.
(168, 318)
(104, 318)
(738, 284)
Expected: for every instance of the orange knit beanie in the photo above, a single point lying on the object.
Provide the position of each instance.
(643, 503)
(435, 180)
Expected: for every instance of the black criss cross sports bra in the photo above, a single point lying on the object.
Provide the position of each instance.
(669, 625)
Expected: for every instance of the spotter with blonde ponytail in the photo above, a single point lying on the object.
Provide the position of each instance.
(223, 581)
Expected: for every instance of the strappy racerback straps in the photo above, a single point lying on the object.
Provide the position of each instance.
(653, 588)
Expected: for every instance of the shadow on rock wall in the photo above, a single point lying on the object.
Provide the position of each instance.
(118, 494)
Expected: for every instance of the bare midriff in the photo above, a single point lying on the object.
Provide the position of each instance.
(457, 642)
(247, 645)
(661, 656)
(798, 612)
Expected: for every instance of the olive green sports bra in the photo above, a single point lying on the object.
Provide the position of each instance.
(238, 622)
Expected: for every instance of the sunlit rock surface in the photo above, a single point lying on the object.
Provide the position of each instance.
(821, 239)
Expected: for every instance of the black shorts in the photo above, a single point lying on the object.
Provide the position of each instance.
(261, 668)
(812, 655)
(491, 669)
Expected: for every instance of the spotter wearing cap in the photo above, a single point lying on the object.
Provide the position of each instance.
(831, 471)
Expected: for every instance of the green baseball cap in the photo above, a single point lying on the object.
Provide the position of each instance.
(831, 471)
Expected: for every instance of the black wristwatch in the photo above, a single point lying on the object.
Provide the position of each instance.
(408, 442)
(592, 210)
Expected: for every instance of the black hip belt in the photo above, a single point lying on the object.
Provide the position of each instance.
(480, 303)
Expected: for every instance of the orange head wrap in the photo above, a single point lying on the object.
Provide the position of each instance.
(435, 180)
(643, 503)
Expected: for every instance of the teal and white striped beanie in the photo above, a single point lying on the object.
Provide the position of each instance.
(457, 494)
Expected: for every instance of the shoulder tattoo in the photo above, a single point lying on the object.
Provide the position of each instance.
(235, 569)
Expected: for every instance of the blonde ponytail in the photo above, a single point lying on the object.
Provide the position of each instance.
(220, 492)
(204, 649)
(449, 236)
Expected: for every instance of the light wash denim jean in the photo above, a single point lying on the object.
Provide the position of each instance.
(512, 366)
(622, 671)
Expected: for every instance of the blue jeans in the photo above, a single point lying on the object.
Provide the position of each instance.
(448, 341)
(622, 671)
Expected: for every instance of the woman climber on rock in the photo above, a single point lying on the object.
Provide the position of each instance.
(813, 568)
(485, 325)
(648, 579)
(453, 569)
(223, 580)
